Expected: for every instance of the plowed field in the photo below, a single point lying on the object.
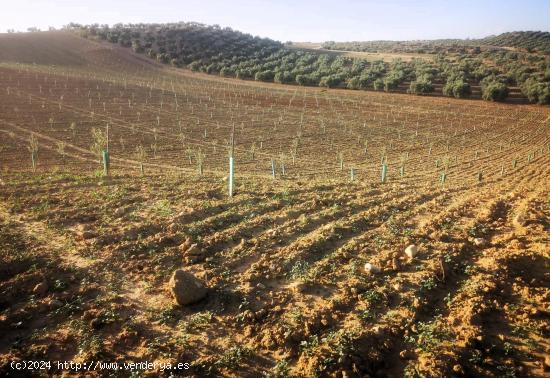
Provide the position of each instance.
(86, 259)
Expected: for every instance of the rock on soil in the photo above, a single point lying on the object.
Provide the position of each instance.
(186, 288)
(41, 288)
(84, 231)
(185, 245)
(55, 303)
(370, 268)
(480, 242)
(411, 251)
(192, 254)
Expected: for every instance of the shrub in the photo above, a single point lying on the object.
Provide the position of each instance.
(330, 81)
(493, 90)
(226, 72)
(536, 91)
(284, 77)
(457, 88)
(308, 79)
(266, 75)
(136, 46)
(393, 79)
(195, 66)
(421, 86)
(353, 83)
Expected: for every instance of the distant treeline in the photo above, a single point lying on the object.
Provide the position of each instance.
(528, 41)
(229, 53)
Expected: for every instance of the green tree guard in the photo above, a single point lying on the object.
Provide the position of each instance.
(273, 168)
(231, 174)
(384, 172)
(443, 177)
(34, 157)
(106, 162)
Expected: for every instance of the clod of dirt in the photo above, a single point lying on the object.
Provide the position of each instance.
(185, 245)
(84, 231)
(298, 287)
(371, 268)
(172, 227)
(193, 250)
(411, 251)
(395, 264)
(458, 369)
(186, 288)
(480, 242)
(120, 211)
(519, 219)
(41, 288)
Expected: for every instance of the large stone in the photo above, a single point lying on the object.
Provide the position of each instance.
(186, 288)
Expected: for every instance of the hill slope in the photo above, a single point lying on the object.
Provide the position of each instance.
(458, 72)
(528, 40)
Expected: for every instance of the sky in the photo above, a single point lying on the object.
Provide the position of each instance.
(301, 21)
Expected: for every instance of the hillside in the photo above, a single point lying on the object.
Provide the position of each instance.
(524, 40)
(460, 70)
(184, 43)
(528, 40)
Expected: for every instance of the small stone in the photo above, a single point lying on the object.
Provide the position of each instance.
(457, 369)
(248, 331)
(172, 227)
(411, 251)
(479, 242)
(55, 303)
(84, 231)
(185, 245)
(248, 315)
(193, 249)
(298, 287)
(371, 268)
(190, 260)
(395, 264)
(96, 323)
(41, 288)
(186, 288)
(260, 314)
